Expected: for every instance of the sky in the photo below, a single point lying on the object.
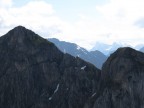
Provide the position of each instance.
(83, 22)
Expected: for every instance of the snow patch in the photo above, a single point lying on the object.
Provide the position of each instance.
(108, 49)
(56, 88)
(64, 51)
(78, 55)
(82, 68)
(78, 47)
(50, 98)
(84, 51)
(93, 95)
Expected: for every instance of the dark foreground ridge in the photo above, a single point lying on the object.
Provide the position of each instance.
(35, 74)
(122, 81)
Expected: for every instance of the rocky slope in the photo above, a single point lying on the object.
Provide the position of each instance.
(95, 57)
(35, 74)
(122, 81)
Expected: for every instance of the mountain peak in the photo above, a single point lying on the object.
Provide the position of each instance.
(125, 52)
(20, 31)
(23, 39)
(21, 34)
(121, 62)
(20, 27)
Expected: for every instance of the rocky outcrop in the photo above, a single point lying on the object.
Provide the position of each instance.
(35, 74)
(122, 81)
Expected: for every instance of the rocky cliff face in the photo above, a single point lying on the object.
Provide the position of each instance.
(35, 74)
(122, 81)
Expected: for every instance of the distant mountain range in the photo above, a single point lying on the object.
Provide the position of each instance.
(142, 49)
(108, 49)
(95, 57)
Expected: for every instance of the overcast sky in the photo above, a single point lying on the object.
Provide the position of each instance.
(84, 22)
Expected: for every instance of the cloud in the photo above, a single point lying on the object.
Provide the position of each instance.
(122, 9)
(5, 3)
(119, 17)
(36, 15)
(39, 16)
(117, 20)
(140, 23)
(114, 24)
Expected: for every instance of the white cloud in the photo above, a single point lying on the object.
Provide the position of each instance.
(118, 19)
(37, 15)
(116, 22)
(5, 3)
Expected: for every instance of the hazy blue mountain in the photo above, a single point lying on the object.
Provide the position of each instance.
(99, 56)
(139, 46)
(101, 47)
(142, 49)
(95, 57)
(107, 49)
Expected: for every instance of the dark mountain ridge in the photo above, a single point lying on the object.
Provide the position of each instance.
(35, 74)
(121, 84)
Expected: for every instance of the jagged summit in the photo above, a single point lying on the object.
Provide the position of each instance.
(20, 28)
(121, 60)
(125, 51)
(129, 53)
(23, 38)
(20, 31)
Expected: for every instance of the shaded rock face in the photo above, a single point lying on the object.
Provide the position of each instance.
(35, 74)
(122, 81)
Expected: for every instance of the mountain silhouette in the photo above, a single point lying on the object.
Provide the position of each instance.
(35, 74)
(121, 83)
